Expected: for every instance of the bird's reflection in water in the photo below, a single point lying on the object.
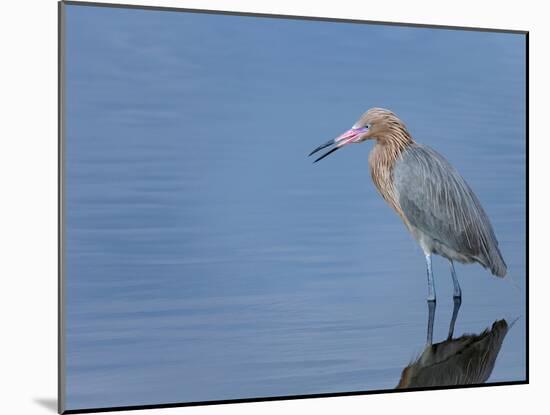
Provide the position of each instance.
(468, 359)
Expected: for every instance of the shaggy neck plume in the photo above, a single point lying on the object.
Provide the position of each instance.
(382, 158)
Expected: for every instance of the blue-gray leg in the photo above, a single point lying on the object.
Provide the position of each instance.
(431, 286)
(457, 301)
(457, 293)
(431, 316)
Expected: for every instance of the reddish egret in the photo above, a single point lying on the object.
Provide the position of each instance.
(436, 204)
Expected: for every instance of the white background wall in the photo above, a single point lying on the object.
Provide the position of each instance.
(28, 190)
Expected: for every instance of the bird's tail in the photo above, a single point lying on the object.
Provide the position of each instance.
(493, 261)
(496, 263)
(498, 268)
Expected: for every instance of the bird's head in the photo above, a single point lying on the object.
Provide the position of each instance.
(377, 123)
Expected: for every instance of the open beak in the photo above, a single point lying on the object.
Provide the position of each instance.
(349, 136)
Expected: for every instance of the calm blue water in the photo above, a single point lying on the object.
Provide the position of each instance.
(207, 258)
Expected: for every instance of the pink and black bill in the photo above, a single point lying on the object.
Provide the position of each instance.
(351, 136)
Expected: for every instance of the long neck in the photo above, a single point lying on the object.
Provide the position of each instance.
(382, 159)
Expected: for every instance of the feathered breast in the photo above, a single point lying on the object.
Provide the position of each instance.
(382, 159)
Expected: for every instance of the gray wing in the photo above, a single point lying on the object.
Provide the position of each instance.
(437, 200)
